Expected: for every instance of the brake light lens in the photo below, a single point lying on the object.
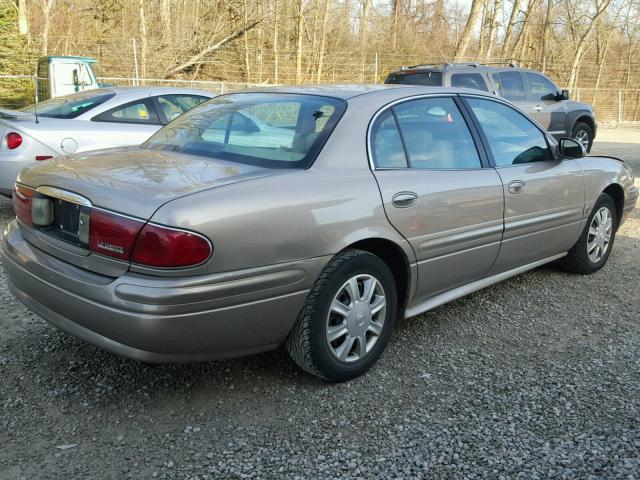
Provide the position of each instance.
(14, 140)
(164, 247)
(22, 200)
(113, 235)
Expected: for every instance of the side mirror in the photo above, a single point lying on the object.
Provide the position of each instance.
(76, 80)
(564, 95)
(570, 148)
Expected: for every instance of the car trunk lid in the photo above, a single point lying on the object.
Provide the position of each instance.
(130, 182)
(135, 181)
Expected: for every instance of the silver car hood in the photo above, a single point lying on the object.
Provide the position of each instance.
(137, 181)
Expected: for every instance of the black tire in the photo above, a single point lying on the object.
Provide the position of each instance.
(580, 129)
(577, 260)
(307, 343)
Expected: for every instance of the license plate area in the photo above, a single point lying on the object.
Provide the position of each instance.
(70, 222)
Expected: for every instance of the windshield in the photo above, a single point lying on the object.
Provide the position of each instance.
(430, 79)
(273, 130)
(71, 106)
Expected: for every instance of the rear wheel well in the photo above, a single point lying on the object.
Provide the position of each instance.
(396, 260)
(616, 192)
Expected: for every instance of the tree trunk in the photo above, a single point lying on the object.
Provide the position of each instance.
(323, 40)
(275, 42)
(548, 20)
(23, 17)
(47, 6)
(465, 38)
(144, 41)
(165, 17)
(493, 28)
(510, 27)
(299, 35)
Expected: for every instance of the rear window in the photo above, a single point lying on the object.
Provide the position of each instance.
(430, 79)
(272, 130)
(71, 106)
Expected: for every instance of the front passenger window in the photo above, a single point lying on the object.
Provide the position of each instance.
(513, 139)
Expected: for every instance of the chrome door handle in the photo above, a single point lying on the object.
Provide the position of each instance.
(537, 108)
(404, 199)
(517, 186)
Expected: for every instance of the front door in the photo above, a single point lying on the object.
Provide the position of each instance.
(436, 192)
(543, 104)
(543, 196)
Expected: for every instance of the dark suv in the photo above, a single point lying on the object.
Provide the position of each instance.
(533, 92)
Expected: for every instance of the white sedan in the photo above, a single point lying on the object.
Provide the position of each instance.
(90, 120)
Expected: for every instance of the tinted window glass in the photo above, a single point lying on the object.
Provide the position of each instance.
(386, 144)
(435, 134)
(269, 130)
(139, 111)
(431, 79)
(71, 106)
(511, 86)
(173, 106)
(495, 78)
(539, 88)
(513, 139)
(469, 80)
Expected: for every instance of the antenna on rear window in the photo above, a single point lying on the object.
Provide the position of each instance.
(35, 105)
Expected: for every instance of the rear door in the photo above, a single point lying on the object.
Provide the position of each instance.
(129, 124)
(543, 196)
(436, 192)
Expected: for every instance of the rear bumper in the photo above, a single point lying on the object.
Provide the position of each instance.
(161, 320)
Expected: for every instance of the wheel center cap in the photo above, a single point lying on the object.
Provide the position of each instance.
(359, 318)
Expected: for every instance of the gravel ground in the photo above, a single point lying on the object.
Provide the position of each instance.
(537, 377)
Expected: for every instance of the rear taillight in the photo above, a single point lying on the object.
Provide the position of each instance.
(145, 244)
(14, 140)
(22, 200)
(113, 235)
(40, 158)
(164, 247)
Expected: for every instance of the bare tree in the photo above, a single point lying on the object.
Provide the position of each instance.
(465, 38)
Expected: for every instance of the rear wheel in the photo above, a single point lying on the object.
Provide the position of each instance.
(583, 133)
(592, 249)
(347, 318)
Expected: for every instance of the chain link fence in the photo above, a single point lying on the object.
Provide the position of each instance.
(612, 106)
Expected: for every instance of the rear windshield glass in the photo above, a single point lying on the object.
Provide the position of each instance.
(431, 79)
(272, 130)
(71, 106)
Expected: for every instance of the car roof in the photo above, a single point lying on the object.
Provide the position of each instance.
(349, 91)
(151, 90)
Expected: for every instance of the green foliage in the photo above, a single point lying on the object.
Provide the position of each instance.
(15, 59)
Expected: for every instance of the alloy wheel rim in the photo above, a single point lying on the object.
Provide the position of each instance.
(599, 237)
(582, 137)
(356, 318)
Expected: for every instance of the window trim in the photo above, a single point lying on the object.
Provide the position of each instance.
(551, 143)
(471, 126)
(148, 101)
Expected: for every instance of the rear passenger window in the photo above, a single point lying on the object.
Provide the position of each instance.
(469, 80)
(139, 111)
(386, 144)
(435, 135)
(511, 86)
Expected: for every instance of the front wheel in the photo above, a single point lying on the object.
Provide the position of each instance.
(592, 249)
(583, 134)
(347, 318)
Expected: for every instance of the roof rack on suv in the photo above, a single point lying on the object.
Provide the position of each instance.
(446, 65)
